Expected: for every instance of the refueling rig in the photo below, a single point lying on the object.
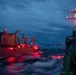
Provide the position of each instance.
(70, 50)
(11, 46)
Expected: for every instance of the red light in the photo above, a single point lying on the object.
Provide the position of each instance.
(58, 56)
(11, 48)
(37, 54)
(18, 46)
(11, 59)
(22, 45)
(36, 47)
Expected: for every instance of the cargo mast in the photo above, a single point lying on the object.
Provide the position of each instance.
(72, 16)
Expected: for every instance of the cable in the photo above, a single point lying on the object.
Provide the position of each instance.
(47, 44)
(43, 43)
(74, 60)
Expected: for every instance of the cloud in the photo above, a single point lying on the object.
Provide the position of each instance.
(37, 17)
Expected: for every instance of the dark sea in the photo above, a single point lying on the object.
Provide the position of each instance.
(28, 65)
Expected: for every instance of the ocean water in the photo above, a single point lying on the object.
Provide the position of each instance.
(35, 66)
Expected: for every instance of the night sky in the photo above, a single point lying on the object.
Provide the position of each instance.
(44, 19)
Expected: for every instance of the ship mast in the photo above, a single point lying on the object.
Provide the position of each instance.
(72, 16)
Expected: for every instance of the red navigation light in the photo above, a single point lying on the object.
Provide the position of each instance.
(10, 59)
(36, 47)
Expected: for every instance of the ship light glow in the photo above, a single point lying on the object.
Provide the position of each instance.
(10, 59)
(11, 48)
(75, 15)
(36, 47)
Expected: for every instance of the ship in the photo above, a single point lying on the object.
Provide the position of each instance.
(70, 50)
(11, 45)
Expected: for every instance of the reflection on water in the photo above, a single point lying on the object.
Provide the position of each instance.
(37, 66)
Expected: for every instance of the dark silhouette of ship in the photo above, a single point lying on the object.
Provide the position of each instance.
(70, 50)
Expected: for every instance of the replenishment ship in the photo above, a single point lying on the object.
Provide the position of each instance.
(11, 45)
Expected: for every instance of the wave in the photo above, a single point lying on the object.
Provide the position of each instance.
(44, 66)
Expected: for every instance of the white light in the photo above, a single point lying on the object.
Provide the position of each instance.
(75, 15)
